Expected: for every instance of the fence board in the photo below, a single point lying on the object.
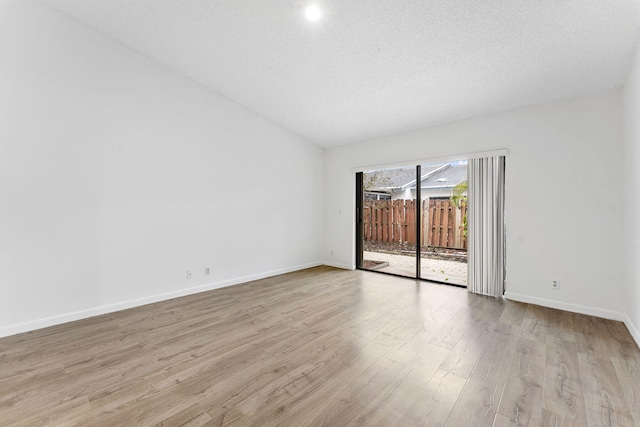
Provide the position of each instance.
(425, 223)
(409, 223)
(444, 227)
(379, 222)
(398, 215)
(437, 221)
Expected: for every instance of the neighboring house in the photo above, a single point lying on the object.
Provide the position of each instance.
(437, 182)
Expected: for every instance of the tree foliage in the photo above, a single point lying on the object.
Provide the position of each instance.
(372, 180)
(459, 193)
(458, 198)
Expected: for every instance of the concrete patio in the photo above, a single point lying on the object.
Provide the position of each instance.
(453, 272)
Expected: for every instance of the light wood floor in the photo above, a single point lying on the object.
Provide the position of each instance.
(325, 347)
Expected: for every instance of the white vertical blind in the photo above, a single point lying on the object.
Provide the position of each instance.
(485, 221)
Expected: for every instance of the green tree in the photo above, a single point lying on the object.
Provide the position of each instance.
(458, 198)
(375, 179)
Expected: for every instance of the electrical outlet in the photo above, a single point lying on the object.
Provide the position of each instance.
(555, 284)
(331, 252)
(189, 274)
(207, 271)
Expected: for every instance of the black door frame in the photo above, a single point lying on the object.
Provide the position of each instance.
(359, 221)
(418, 218)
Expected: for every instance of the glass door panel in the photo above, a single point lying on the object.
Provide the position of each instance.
(444, 235)
(389, 221)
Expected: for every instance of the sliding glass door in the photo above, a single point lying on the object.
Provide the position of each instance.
(388, 222)
(411, 222)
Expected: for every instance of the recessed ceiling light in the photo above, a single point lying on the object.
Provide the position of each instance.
(313, 12)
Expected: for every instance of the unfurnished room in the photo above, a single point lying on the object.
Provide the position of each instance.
(319, 213)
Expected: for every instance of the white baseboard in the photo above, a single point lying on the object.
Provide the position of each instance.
(633, 329)
(45, 322)
(582, 309)
(575, 308)
(339, 265)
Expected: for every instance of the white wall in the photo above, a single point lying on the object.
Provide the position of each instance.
(631, 242)
(117, 174)
(563, 192)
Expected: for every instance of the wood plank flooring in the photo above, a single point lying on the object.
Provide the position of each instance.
(325, 347)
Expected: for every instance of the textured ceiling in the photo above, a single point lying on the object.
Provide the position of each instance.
(376, 67)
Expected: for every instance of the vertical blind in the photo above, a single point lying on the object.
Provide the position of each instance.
(485, 222)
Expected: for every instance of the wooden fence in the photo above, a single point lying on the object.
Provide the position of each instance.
(394, 221)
